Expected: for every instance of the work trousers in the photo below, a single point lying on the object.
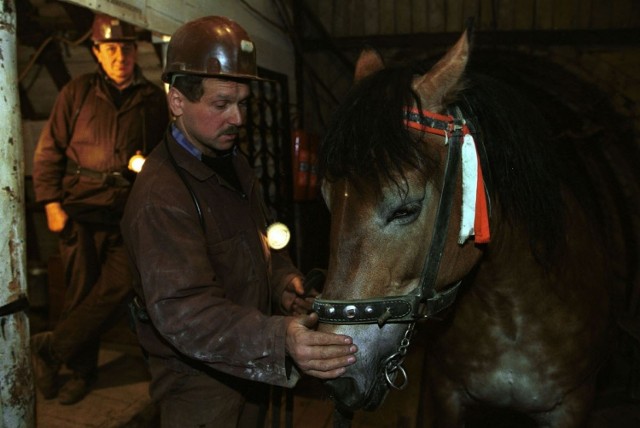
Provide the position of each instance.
(98, 284)
(206, 398)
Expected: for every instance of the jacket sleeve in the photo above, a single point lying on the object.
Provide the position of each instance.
(187, 307)
(49, 162)
(283, 272)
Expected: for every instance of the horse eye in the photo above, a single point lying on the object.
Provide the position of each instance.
(404, 214)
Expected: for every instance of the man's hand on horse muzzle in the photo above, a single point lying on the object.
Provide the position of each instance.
(318, 354)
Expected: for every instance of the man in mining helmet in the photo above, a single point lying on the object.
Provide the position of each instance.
(99, 121)
(225, 314)
(114, 46)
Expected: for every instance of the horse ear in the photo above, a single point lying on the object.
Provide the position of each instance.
(437, 84)
(368, 63)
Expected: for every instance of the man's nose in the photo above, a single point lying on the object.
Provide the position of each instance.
(236, 116)
(120, 54)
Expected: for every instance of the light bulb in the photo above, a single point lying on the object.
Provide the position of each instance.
(136, 162)
(278, 236)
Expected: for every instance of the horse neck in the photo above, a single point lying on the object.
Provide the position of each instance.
(508, 256)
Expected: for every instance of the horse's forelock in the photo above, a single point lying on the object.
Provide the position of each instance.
(368, 137)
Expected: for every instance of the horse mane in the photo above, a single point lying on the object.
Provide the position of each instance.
(367, 138)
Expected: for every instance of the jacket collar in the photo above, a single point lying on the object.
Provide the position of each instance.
(188, 158)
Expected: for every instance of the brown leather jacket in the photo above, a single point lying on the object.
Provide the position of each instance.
(86, 129)
(208, 295)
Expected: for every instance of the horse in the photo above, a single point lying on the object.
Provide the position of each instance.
(451, 210)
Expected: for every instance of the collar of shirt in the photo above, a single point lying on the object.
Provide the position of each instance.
(221, 165)
(182, 140)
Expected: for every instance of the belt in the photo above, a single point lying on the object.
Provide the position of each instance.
(114, 178)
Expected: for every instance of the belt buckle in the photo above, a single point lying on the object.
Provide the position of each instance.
(109, 179)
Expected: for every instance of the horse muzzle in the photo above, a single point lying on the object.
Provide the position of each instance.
(364, 385)
(347, 396)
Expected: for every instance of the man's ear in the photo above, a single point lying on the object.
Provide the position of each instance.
(176, 101)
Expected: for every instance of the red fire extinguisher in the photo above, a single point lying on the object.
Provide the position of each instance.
(300, 163)
(312, 189)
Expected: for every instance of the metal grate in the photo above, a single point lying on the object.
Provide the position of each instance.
(267, 142)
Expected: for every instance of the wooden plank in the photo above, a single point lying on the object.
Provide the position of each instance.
(624, 14)
(371, 18)
(312, 5)
(485, 13)
(435, 15)
(563, 13)
(419, 16)
(504, 15)
(471, 9)
(325, 14)
(402, 15)
(544, 15)
(454, 16)
(356, 17)
(523, 14)
(601, 13)
(538, 38)
(387, 17)
(582, 14)
(340, 18)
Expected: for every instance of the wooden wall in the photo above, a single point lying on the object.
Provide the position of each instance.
(348, 18)
(598, 40)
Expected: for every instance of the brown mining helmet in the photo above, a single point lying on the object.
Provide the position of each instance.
(211, 46)
(108, 29)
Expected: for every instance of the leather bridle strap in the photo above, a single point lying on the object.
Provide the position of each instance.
(441, 226)
(408, 308)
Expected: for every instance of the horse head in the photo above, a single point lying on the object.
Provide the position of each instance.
(384, 184)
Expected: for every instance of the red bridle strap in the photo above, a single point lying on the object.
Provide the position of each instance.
(447, 126)
(433, 123)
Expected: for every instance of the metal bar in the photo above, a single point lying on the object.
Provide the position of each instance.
(17, 400)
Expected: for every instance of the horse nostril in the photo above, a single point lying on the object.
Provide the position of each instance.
(340, 388)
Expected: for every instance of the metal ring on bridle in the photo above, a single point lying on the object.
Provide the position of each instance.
(391, 367)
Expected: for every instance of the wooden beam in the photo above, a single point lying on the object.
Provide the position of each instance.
(622, 37)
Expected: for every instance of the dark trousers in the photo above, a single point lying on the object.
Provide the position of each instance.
(98, 284)
(206, 399)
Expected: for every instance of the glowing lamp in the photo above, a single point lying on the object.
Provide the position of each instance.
(278, 236)
(136, 162)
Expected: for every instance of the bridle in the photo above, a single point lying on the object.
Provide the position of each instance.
(424, 301)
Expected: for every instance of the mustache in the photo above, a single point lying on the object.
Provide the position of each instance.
(232, 130)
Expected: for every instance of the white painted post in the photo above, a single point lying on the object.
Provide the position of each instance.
(17, 397)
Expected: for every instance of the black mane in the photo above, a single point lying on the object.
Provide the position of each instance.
(367, 138)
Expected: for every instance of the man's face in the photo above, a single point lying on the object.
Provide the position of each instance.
(118, 60)
(214, 121)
